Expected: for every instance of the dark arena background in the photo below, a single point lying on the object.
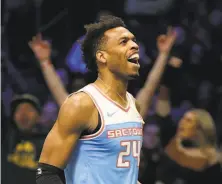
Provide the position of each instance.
(192, 77)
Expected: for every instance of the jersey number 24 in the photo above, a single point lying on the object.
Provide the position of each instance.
(131, 148)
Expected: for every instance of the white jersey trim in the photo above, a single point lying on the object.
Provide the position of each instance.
(100, 131)
(125, 109)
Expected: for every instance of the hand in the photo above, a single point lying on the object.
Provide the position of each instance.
(41, 48)
(175, 62)
(165, 42)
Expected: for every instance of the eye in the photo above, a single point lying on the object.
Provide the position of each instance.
(134, 39)
(123, 42)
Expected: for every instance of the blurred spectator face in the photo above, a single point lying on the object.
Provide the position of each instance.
(78, 84)
(187, 126)
(25, 116)
(151, 136)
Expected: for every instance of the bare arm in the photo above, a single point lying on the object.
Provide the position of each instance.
(42, 51)
(53, 81)
(65, 133)
(145, 95)
(192, 159)
(163, 106)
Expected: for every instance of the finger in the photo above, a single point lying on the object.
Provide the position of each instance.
(34, 45)
(39, 36)
(169, 31)
(161, 38)
(34, 38)
(172, 35)
(47, 42)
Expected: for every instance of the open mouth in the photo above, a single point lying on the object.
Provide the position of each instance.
(134, 58)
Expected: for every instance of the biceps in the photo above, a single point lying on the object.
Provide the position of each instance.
(58, 148)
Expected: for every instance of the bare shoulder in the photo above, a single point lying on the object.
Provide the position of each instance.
(79, 100)
(77, 110)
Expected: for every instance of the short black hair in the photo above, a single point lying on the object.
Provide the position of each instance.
(94, 38)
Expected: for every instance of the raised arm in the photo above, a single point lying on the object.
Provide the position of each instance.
(192, 159)
(144, 96)
(188, 158)
(163, 105)
(42, 51)
(64, 135)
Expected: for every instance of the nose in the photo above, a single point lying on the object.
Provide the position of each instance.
(134, 46)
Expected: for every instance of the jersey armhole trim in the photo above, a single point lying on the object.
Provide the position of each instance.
(100, 131)
(133, 100)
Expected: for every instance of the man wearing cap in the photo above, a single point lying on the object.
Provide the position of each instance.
(23, 142)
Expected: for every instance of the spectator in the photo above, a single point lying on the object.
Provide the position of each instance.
(191, 153)
(198, 24)
(151, 151)
(24, 140)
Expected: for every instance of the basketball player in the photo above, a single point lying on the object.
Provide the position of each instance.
(98, 134)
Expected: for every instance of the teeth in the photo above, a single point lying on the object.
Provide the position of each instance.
(134, 56)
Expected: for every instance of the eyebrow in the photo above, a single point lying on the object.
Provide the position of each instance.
(127, 37)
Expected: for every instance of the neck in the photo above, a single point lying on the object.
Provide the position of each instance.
(114, 83)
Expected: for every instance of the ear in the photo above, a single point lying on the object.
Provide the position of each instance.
(101, 56)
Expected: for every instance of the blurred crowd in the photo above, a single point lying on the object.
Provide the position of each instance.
(32, 93)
